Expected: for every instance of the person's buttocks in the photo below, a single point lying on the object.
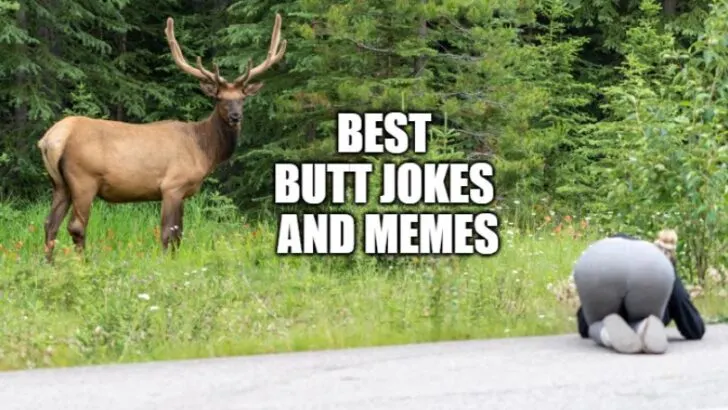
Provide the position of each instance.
(617, 265)
(627, 276)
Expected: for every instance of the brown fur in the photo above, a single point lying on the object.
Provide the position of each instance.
(165, 160)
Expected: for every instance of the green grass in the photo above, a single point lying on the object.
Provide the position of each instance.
(226, 292)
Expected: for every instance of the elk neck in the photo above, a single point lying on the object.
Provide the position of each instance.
(216, 138)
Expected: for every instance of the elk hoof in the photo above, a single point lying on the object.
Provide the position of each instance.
(50, 245)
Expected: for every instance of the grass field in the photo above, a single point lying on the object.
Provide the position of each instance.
(226, 293)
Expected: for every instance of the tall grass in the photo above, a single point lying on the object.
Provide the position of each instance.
(227, 293)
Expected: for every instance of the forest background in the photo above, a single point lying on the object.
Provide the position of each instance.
(598, 116)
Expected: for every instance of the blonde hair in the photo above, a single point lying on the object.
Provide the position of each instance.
(667, 242)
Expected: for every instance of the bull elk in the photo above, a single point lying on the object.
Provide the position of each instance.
(166, 160)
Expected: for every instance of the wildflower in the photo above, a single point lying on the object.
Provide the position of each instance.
(143, 296)
(695, 291)
(714, 276)
(154, 308)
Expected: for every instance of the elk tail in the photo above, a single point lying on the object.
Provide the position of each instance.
(52, 146)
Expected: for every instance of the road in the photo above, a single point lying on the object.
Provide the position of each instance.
(563, 372)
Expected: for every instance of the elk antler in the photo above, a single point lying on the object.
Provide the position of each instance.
(200, 72)
(275, 53)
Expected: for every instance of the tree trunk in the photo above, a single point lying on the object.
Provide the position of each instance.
(669, 7)
(421, 60)
(20, 116)
(119, 116)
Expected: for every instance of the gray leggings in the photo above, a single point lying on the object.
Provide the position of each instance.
(613, 271)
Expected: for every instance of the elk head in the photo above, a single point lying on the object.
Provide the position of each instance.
(229, 95)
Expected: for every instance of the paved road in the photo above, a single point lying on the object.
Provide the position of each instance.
(542, 373)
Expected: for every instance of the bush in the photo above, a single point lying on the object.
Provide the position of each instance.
(667, 136)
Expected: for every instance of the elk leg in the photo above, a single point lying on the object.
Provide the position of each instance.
(171, 226)
(180, 221)
(79, 217)
(59, 208)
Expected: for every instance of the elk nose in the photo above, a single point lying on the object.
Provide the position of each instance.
(234, 116)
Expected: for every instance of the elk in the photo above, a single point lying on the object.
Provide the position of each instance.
(165, 161)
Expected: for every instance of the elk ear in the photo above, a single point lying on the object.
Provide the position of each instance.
(209, 89)
(252, 89)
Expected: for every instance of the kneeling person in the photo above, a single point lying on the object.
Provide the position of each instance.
(629, 291)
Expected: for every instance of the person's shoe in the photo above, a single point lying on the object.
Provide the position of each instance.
(652, 333)
(620, 336)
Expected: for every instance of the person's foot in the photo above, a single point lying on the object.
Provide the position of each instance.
(651, 332)
(620, 336)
